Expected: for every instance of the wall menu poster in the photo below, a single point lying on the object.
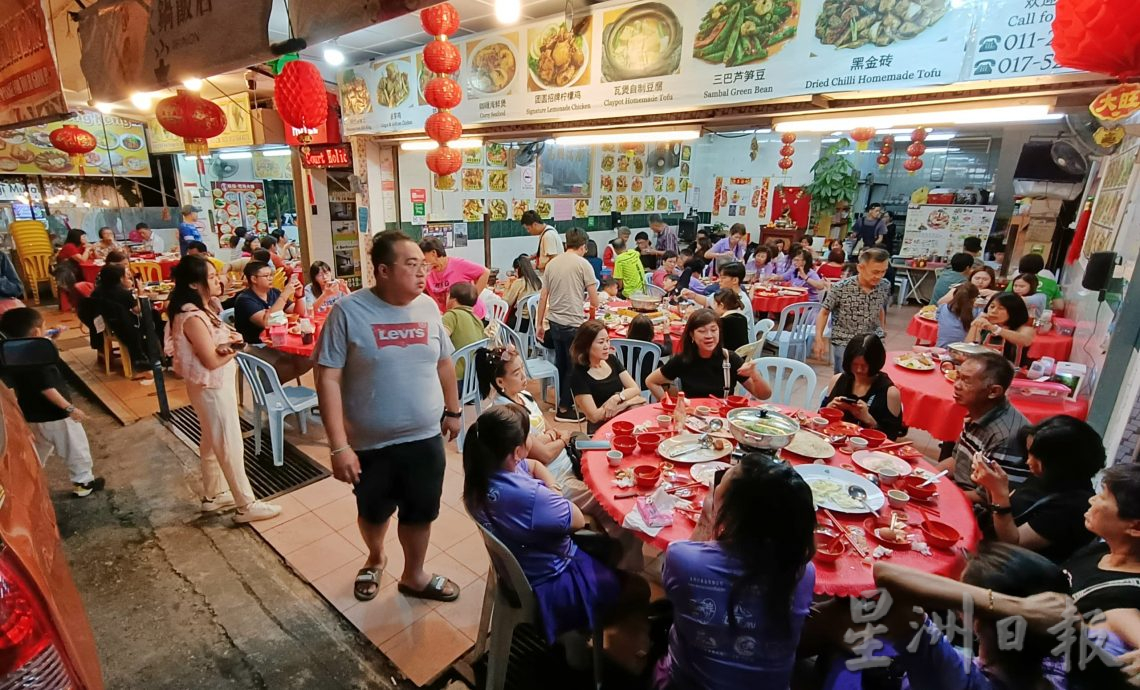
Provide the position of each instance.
(121, 148)
(346, 252)
(239, 204)
(940, 230)
(649, 57)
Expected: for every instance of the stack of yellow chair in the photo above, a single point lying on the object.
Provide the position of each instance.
(36, 253)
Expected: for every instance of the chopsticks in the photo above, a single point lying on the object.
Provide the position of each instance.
(895, 444)
(690, 485)
(846, 534)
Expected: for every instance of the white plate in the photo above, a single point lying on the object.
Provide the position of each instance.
(912, 364)
(816, 474)
(694, 424)
(519, 66)
(873, 460)
(667, 447)
(823, 452)
(703, 471)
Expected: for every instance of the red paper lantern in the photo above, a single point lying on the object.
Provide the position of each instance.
(862, 135)
(442, 57)
(912, 165)
(787, 150)
(887, 147)
(443, 93)
(440, 20)
(443, 127)
(883, 160)
(1100, 36)
(75, 141)
(784, 164)
(444, 160)
(918, 134)
(889, 140)
(916, 149)
(193, 118)
(788, 138)
(300, 97)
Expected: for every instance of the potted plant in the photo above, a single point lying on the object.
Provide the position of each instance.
(835, 181)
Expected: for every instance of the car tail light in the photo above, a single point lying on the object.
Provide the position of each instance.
(30, 651)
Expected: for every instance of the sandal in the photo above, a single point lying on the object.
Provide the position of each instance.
(367, 584)
(434, 590)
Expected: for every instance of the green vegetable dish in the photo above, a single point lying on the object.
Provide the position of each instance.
(739, 32)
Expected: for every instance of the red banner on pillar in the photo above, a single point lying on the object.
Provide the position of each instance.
(30, 88)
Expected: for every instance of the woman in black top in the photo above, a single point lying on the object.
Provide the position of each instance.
(600, 386)
(864, 394)
(704, 366)
(119, 309)
(733, 322)
(1046, 513)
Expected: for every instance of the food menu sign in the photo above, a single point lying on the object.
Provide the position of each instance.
(121, 149)
(239, 204)
(648, 57)
(940, 230)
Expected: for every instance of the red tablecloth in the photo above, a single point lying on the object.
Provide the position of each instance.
(849, 575)
(928, 402)
(91, 269)
(925, 331)
(659, 338)
(762, 302)
(294, 344)
(1051, 344)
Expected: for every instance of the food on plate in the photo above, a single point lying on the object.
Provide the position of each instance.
(650, 202)
(636, 185)
(608, 162)
(832, 492)
(544, 209)
(622, 203)
(444, 183)
(392, 89)
(915, 361)
(856, 23)
(622, 183)
(607, 183)
(558, 56)
(635, 204)
(41, 139)
(662, 204)
(22, 154)
(14, 137)
(497, 180)
(606, 204)
(136, 164)
(581, 208)
(644, 42)
(472, 209)
(950, 374)
(498, 209)
(472, 179)
(684, 170)
(9, 164)
(354, 94)
(492, 67)
(670, 185)
(658, 183)
(52, 161)
(938, 219)
(638, 166)
(929, 311)
(131, 142)
(738, 32)
(810, 445)
(623, 164)
(518, 208)
(874, 461)
(496, 155)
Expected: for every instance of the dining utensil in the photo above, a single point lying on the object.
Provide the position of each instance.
(860, 495)
(618, 497)
(935, 478)
(761, 429)
(690, 485)
(843, 530)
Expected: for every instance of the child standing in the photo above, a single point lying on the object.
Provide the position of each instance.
(55, 422)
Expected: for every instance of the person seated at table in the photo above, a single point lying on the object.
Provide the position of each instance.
(956, 273)
(519, 501)
(802, 275)
(982, 278)
(460, 321)
(730, 249)
(233, 243)
(705, 367)
(285, 245)
(254, 304)
(526, 283)
(742, 587)
(865, 394)
(591, 258)
(195, 248)
(646, 251)
(668, 267)
(993, 425)
(690, 278)
(106, 243)
(146, 240)
(758, 266)
(252, 244)
(730, 278)
(629, 272)
(1034, 264)
(269, 242)
(119, 309)
(601, 386)
(68, 272)
(1046, 513)
(323, 289)
(449, 270)
(733, 322)
(1004, 324)
(608, 291)
(1025, 287)
(956, 316)
(832, 269)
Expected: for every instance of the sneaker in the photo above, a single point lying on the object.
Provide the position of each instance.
(222, 500)
(81, 490)
(571, 416)
(257, 511)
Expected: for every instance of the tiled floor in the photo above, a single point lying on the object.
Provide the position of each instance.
(317, 534)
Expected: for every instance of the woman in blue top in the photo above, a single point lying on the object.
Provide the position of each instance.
(955, 317)
(742, 588)
(517, 500)
(804, 276)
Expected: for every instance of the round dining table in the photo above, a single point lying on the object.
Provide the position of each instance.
(294, 344)
(851, 574)
(91, 269)
(773, 302)
(1051, 344)
(928, 402)
(622, 330)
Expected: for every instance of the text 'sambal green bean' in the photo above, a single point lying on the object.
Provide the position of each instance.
(739, 32)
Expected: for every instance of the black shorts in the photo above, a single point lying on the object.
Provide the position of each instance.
(407, 476)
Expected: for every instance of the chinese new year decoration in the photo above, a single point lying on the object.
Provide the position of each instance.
(75, 141)
(300, 98)
(914, 163)
(862, 137)
(1116, 103)
(193, 118)
(1101, 36)
(443, 93)
(886, 148)
(786, 151)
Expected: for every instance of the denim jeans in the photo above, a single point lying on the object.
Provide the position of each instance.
(837, 357)
(561, 337)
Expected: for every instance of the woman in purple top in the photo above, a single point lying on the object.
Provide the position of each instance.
(730, 248)
(740, 598)
(519, 502)
(802, 275)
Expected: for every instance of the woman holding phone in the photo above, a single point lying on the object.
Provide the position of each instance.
(864, 394)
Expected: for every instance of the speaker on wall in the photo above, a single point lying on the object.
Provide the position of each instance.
(1099, 271)
(615, 219)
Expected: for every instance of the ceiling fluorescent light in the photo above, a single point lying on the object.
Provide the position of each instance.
(141, 100)
(333, 55)
(628, 137)
(272, 153)
(235, 155)
(888, 120)
(428, 145)
(508, 11)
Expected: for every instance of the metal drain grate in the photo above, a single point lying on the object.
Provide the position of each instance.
(266, 479)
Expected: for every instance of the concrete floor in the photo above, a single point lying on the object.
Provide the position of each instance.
(179, 601)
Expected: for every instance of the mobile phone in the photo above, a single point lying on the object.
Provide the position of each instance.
(53, 332)
(846, 399)
(591, 444)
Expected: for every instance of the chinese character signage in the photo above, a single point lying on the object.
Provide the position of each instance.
(1116, 103)
(121, 148)
(30, 87)
(239, 128)
(327, 156)
(1013, 39)
(239, 204)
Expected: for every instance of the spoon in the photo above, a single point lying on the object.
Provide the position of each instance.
(860, 495)
(704, 443)
(935, 478)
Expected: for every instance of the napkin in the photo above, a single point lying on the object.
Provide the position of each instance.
(634, 521)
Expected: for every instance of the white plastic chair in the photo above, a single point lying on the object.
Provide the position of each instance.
(536, 369)
(227, 317)
(649, 277)
(783, 375)
(755, 348)
(521, 311)
(536, 349)
(508, 603)
(637, 356)
(469, 386)
(795, 342)
(276, 401)
(497, 307)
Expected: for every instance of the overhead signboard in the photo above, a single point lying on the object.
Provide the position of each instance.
(121, 149)
(327, 156)
(30, 87)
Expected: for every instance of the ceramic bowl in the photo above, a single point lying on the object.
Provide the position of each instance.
(614, 457)
(897, 499)
(646, 476)
(940, 534)
(625, 444)
(622, 428)
(648, 442)
(831, 414)
(874, 437)
(910, 484)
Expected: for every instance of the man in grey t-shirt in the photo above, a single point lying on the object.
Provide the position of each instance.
(387, 387)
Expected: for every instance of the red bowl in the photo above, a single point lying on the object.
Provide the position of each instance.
(668, 405)
(875, 438)
(831, 414)
(735, 401)
(829, 549)
(625, 444)
(646, 476)
(622, 428)
(910, 484)
(648, 442)
(940, 534)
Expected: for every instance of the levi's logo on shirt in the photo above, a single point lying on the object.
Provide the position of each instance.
(400, 334)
